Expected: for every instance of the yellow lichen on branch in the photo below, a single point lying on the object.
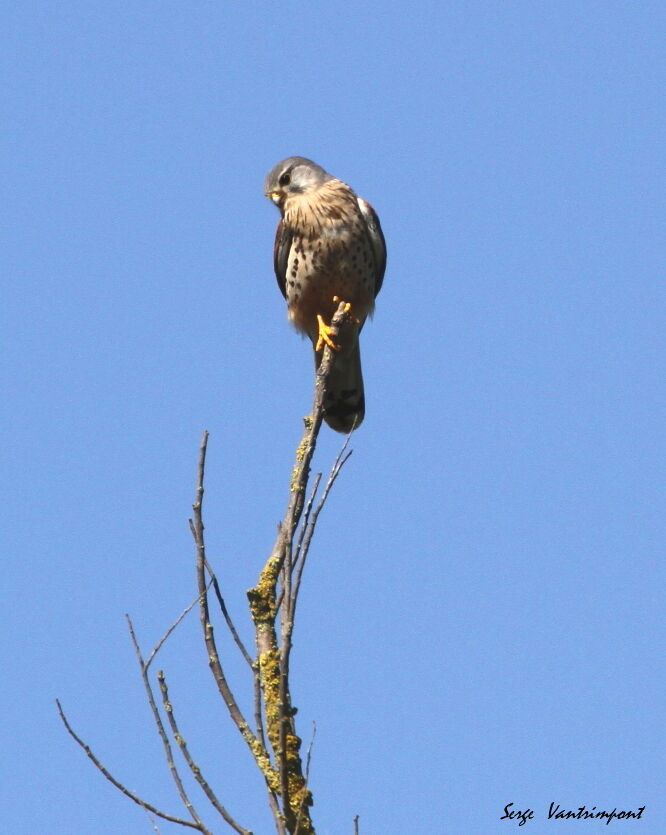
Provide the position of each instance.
(284, 742)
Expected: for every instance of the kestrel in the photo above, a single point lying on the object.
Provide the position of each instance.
(329, 247)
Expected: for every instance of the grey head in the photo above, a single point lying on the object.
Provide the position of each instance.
(293, 175)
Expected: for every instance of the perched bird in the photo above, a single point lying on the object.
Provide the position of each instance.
(329, 247)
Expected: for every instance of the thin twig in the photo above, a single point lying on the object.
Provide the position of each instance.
(308, 443)
(308, 758)
(338, 464)
(356, 825)
(227, 616)
(258, 718)
(308, 511)
(210, 794)
(258, 750)
(278, 817)
(153, 823)
(159, 644)
(301, 530)
(168, 754)
(91, 756)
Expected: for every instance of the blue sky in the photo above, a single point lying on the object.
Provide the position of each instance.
(482, 616)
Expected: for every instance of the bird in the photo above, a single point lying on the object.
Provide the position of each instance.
(329, 247)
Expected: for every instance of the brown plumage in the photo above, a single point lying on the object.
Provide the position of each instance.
(328, 244)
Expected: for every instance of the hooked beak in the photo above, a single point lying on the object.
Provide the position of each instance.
(275, 196)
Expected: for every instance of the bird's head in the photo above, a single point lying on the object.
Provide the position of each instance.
(291, 176)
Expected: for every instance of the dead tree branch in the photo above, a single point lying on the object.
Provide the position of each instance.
(266, 603)
(143, 667)
(259, 752)
(196, 771)
(143, 803)
(273, 742)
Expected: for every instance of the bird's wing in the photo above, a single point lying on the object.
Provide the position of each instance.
(376, 239)
(281, 249)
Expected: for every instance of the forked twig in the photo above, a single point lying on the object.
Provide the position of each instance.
(143, 667)
(132, 796)
(160, 643)
(254, 743)
(311, 522)
(196, 771)
(227, 616)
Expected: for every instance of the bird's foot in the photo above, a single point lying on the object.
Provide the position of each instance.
(325, 333)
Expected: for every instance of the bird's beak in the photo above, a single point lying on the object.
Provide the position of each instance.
(275, 196)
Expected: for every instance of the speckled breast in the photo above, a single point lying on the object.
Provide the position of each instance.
(335, 259)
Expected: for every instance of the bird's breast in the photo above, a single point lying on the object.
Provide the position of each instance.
(330, 256)
(319, 269)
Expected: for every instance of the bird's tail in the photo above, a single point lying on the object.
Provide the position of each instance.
(344, 400)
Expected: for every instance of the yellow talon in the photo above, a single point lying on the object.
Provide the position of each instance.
(325, 332)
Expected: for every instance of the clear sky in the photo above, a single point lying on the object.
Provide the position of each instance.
(482, 616)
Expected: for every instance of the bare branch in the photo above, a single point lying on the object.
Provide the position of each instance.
(306, 448)
(210, 794)
(258, 718)
(255, 745)
(160, 643)
(310, 524)
(160, 729)
(273, 656)
(308, 758)
(153, 823)
(145, 805)
(259, 724)
(227, 616)
(276, 593)
(306, 516)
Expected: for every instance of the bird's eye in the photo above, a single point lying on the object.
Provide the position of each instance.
(285, 179)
